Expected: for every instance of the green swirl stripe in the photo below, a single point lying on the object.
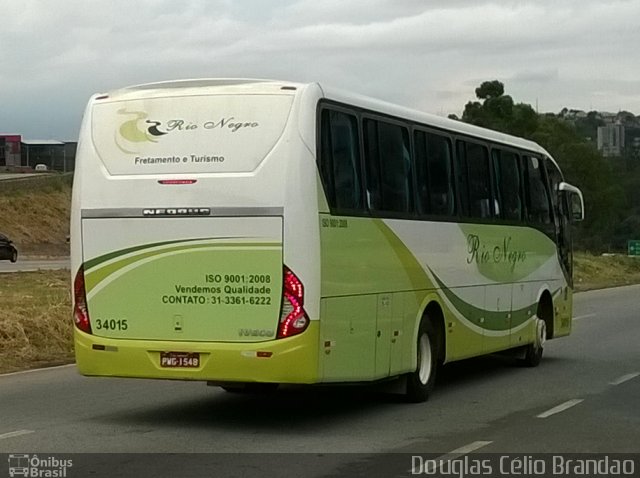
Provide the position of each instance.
(494, 320)
(98, 273)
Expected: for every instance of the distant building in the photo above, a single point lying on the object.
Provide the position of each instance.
(70, 148)
(43, 151)
(17, 154)
(55, 155)
(10, 150)
(611, 139)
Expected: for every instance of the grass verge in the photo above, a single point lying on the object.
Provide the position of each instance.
(35, 214)
(35, 320)
(599, 272)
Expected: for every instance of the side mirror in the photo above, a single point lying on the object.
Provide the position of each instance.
(575, 199)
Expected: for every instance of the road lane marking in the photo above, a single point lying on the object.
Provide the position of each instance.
(32, 370)
(560, 408)
(17, 433)
(468, 448)
(624, 378)
(585, 316)
(455, 454)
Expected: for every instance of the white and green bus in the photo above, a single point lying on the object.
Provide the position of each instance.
(251, 232)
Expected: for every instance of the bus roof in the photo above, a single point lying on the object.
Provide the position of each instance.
(266, 86)
(205, 86)
(440, 122)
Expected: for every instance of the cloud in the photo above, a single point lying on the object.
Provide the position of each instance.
(535, 76)
(430, 55)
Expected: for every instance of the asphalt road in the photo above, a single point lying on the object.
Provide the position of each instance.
(29, 265)
(584, 397)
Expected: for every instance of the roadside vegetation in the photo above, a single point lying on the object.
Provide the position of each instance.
(35, 307)
(35, 320)
(35, 214)
(599, 272)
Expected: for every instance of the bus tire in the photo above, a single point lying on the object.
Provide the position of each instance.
(420, 382)
(533, 352)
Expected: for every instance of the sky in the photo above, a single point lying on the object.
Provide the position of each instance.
(428, 55)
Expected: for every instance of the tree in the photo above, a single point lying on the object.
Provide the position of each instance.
(524, 121)
(498, 111)
(588, 127)
(490, 89)
(583, 165)
(626, 118)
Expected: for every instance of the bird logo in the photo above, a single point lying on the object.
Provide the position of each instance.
(132, 132)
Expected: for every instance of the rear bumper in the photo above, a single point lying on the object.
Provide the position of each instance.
(293, 360)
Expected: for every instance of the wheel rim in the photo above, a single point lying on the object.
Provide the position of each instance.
(424, 359)
(542, 334)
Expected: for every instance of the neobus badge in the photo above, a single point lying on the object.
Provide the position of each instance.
(183, 211)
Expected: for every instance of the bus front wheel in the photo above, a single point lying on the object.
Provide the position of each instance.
(420, 383)
(533, 352)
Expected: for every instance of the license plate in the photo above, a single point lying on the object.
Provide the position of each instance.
(179, 360)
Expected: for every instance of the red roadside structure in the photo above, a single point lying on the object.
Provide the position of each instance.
(10, 151)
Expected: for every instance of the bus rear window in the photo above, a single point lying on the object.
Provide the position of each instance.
(188, 134)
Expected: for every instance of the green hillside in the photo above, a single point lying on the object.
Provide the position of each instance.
(34, 213)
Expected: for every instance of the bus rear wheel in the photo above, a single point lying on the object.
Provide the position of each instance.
(533, 352)
(420, 382)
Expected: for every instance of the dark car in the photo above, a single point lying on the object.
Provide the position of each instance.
(7, 250)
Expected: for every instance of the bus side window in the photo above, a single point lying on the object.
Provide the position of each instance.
(434, 174)
(476, 176)
(422, 171)
(340, 160)
(539, 210)
(461, 172)
(372, 169)
(555, 178)
(388, 167)
(441, 179)
(507, 174)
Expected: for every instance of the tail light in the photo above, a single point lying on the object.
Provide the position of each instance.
(80, 310)
(293, 318)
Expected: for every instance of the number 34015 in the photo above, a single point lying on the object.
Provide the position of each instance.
(111, 324)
